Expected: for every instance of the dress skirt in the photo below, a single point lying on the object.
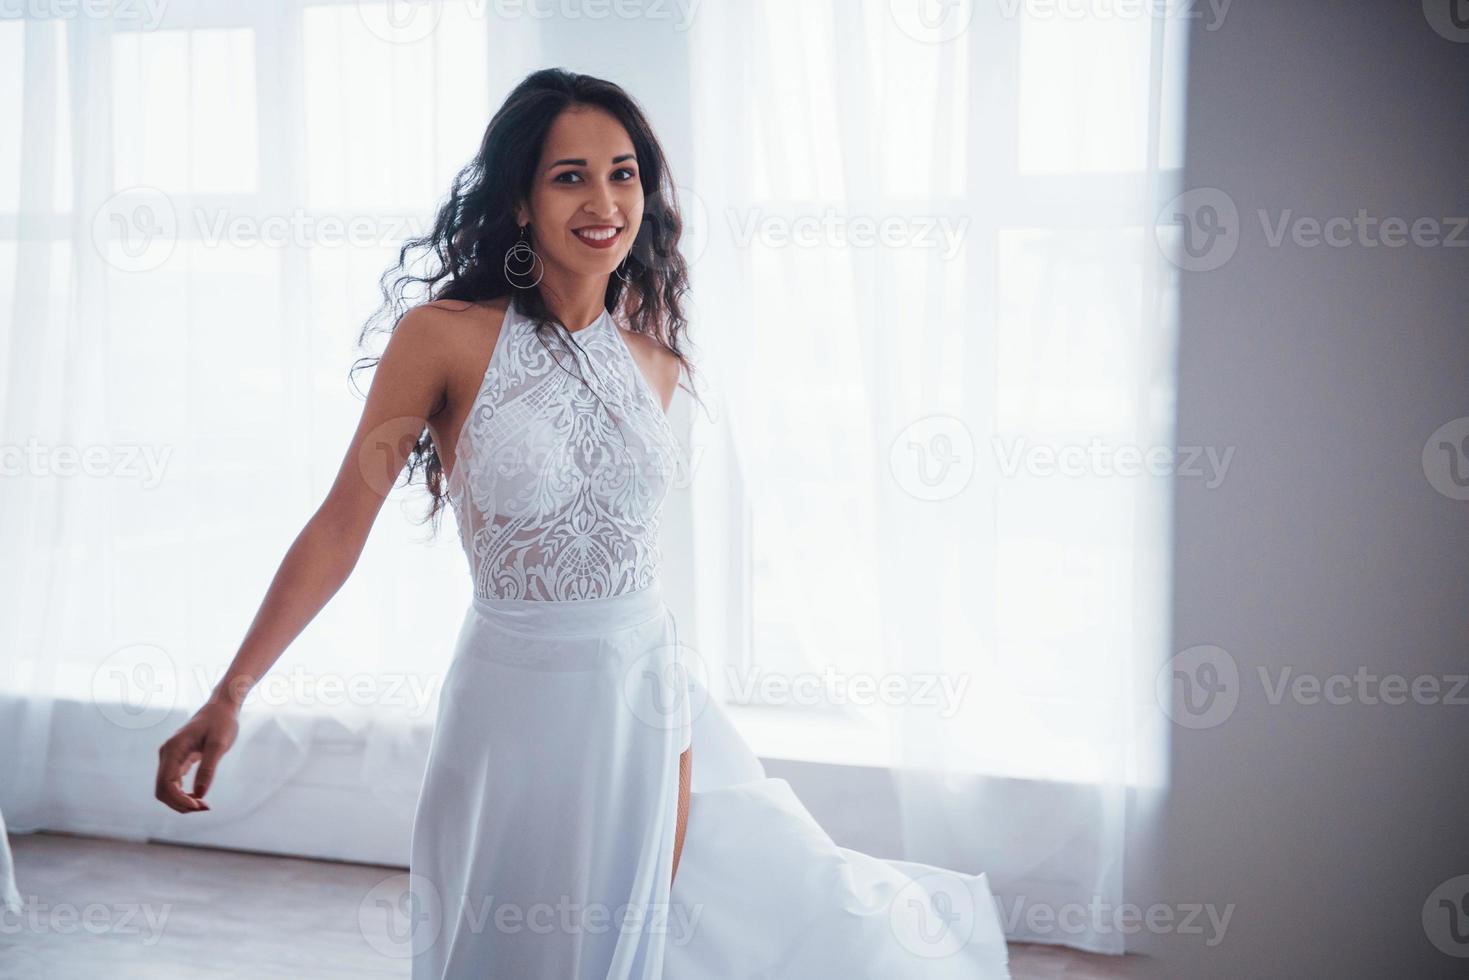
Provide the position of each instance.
(543, 837)
(544, 830)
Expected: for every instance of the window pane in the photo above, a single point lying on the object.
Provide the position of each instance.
(184, 110)
(1083, 93)
(388, 125)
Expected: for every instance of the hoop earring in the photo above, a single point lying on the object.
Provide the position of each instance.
(522, 252)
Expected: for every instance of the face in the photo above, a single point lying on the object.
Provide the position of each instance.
(586, 186)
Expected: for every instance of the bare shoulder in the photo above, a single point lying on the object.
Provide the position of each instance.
(443, 319)
(434, 347)
(660, 364)
(446, 332)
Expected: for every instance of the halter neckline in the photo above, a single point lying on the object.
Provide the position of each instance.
(604, 317)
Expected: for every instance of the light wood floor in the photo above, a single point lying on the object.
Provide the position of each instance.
(101, 908)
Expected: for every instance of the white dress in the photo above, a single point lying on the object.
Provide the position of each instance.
(544, 831)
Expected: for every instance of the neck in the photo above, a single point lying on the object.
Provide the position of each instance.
(577, 303)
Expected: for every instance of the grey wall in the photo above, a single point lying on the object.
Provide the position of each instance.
(1326, 548)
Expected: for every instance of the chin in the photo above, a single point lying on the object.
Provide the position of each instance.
(594, 267)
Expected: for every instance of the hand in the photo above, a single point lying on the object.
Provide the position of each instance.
(203, 739)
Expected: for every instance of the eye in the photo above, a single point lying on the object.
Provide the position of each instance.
(630, 173)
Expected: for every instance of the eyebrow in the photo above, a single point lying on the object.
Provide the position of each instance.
(583, 163)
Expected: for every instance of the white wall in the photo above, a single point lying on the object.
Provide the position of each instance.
(1326, 548)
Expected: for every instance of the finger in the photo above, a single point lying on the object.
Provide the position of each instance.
(169, 792)
(209, 761)
(198, 793)
(162, 790)
(173, 761)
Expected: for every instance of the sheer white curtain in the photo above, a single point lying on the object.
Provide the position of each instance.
(921, 242)
(194, 211)
(928, 285)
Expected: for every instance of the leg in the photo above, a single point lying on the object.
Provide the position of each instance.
(685, 776)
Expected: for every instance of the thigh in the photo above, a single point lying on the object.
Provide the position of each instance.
(685, 779)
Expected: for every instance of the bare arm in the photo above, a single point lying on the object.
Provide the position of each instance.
(406, 387)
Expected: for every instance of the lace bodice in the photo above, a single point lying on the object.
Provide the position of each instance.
(556, 496)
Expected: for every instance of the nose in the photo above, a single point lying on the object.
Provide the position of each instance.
(600, 204)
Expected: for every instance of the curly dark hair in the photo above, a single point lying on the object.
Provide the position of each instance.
(463, 256)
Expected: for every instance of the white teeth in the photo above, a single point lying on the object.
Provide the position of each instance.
(598, 236)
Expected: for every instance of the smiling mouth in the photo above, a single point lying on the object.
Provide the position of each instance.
(598, 235)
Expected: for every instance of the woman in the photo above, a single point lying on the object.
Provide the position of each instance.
(562, 830)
